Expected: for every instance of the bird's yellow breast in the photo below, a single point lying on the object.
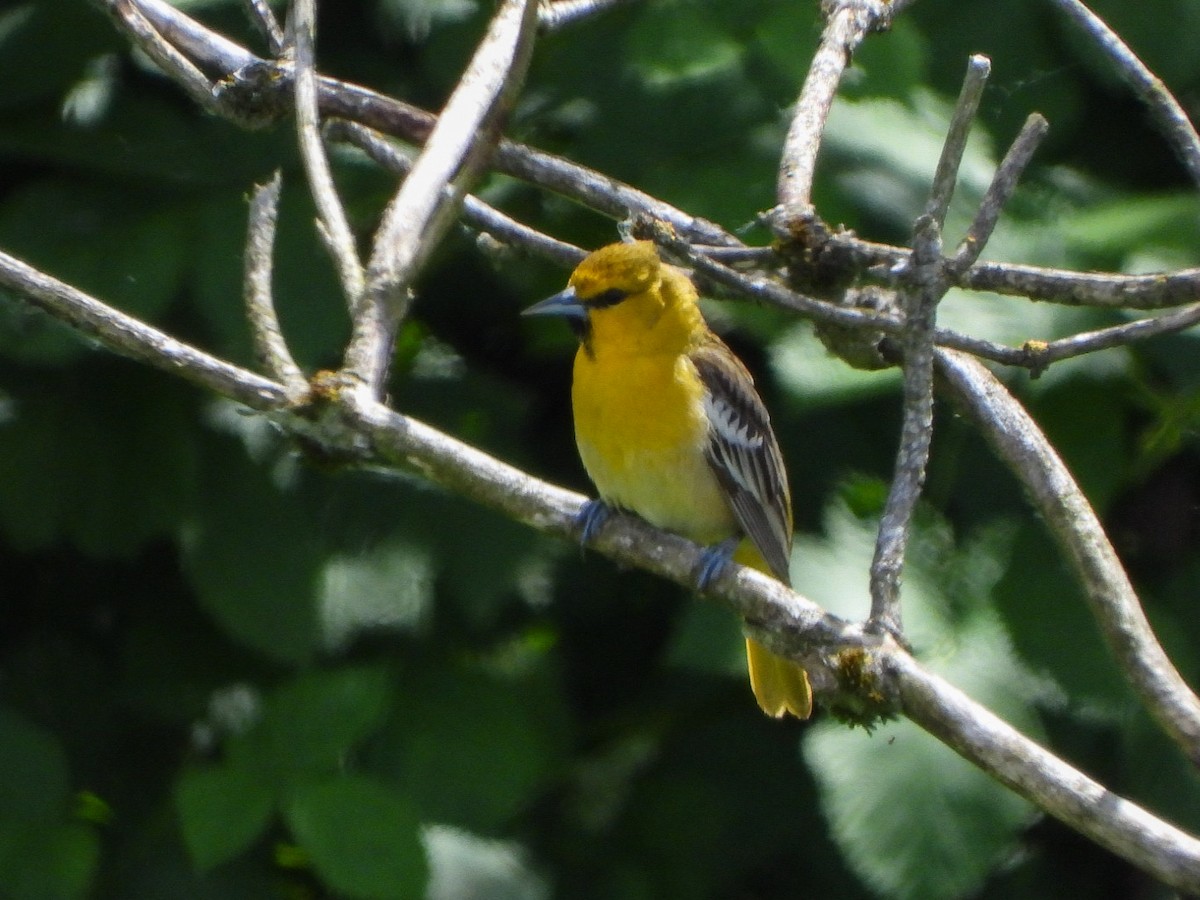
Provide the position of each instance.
(642, 431)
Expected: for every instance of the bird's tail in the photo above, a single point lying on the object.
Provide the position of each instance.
(780, 686)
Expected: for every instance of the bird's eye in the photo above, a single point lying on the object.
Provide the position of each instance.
(611, 297)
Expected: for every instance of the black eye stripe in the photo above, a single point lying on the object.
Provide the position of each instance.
(611, 297)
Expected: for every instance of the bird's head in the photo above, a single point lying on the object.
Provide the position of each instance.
(620, 295)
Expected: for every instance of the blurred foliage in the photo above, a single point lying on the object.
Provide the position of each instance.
(226, 671)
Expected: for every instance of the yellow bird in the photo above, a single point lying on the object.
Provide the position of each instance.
(670, 427)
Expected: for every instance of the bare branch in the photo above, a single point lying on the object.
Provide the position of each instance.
(1115, 336)
(556, 14)
(1153, 291)
(208, 50)
(999, 192)
(1020, 442)
(164, 53)
(801, 630)
(132, 338)
(475, 212)
(847, 22)
(924, 283)
(925, 287)
(1170, 116)
(269, 344)
(334, 226)
(881, 263)
(423, 209)
(984, 739)
(945, 176)
(339, 99)
(264, 19)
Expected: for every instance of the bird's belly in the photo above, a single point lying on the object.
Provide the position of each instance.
(642, 435)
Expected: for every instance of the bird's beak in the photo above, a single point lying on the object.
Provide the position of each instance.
(565, 303)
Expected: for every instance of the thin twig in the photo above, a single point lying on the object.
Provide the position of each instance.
(1113, 601)
(269, 345)
(882, 263)
(268, 25)
(398, 119)
(334, 227)
(847, 22)
(475, 212)
(986, 740)
(135, 339)
(556, 14)
(164, 53)
(1114, 336)
(207, 49)
(1157, 290)
(945, 176)
(999, 192)
(423, 208)
(1171, 117)
(925, 285)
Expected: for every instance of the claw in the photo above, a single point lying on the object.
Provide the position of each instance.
(592, 516)
(714, 561)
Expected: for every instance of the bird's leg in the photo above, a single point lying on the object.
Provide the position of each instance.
(592, 515)
(714, 561)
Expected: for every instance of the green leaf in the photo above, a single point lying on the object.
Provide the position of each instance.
(125, 251)
(38, 862)
(310, 723)
(464, 865)
(362, 836)
(222, 810)
(930, 825)
(43, 49)
(388, 588)
(254, 556)
(472, 750)
(914, 819)
(1112, 229)
(68, 471)
(33, 772)
(676, 44)
(813, 377)
(1041, 602)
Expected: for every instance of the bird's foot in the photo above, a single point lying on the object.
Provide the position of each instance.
(591, 517)
(714, 561)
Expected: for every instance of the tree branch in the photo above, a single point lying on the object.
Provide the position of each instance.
(1020, 443)
(556, 14)
(1171, 118)
(984, 739)
(269, 345)
(136, 340)
(924, 285)
(429, 199)
(475, 212)
(847, 22)
(331, 215)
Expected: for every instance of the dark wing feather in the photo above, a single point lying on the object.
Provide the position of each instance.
(744, 454)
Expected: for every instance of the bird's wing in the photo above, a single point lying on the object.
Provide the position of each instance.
(744, 454)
